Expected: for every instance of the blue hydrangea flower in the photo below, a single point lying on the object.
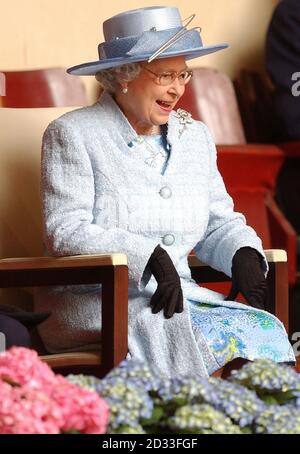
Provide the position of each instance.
(296, 401)
(201, 419)
(233, 400)
(85, 381)
(138, 429)
(278, 419)
(236, 401)
(185, 390)
(141, 401)
(138, 372)
(267, 377)
(128, 401)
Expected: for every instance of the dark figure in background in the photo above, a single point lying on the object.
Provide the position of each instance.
(16, 324)
(283, 66)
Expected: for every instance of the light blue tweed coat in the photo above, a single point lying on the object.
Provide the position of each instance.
(98, 197)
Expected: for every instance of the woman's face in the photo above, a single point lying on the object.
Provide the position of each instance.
(144, 104)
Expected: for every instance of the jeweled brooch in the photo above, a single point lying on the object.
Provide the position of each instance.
(185, 118)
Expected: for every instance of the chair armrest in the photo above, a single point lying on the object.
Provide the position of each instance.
(72, 261)
(278, 286)
(109, 270)
(277, 280)
(275, 255)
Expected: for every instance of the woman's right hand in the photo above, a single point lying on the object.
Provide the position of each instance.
(168, 295)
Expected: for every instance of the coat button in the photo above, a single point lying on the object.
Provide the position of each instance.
(168, 239)
(165, 192)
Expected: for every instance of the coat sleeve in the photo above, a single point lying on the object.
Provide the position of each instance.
(227, 230)
(67, 194)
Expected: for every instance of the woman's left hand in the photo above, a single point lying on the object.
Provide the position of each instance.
(248, 278)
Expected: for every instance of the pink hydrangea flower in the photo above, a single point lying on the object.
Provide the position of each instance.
(23, 366)
(28, 411)
(82, 409)
(34, 400)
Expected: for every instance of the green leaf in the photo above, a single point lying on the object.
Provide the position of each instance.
(284, 397)
(269, 400)
(156, 416)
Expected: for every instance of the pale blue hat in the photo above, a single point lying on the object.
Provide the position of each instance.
(145, 34)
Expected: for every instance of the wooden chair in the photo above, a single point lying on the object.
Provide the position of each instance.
(47, 87)
(21, 236)
(249, 170)
(112, 272)
(109, 270)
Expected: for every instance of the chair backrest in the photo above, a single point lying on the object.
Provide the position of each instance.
(21, 133)
(47, 87)
(210, 97)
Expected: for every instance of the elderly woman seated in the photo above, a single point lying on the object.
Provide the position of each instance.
(131, 174)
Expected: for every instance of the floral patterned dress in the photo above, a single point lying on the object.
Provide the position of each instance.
(229, 332)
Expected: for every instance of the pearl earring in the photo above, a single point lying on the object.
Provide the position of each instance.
(125, 90)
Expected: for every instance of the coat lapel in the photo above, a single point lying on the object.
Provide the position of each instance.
(115, 120)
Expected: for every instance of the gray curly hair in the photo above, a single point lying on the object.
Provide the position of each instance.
(109, 78)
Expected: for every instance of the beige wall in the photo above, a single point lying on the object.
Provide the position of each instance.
(43, 33)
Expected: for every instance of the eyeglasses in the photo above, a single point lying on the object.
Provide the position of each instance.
(167, 78)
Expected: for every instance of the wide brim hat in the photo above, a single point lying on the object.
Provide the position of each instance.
(145, 34)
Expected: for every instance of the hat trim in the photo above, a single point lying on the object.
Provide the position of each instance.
(84, 69)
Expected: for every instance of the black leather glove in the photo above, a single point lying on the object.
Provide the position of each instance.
(248, 278)
(168, 295)
(28, 319)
